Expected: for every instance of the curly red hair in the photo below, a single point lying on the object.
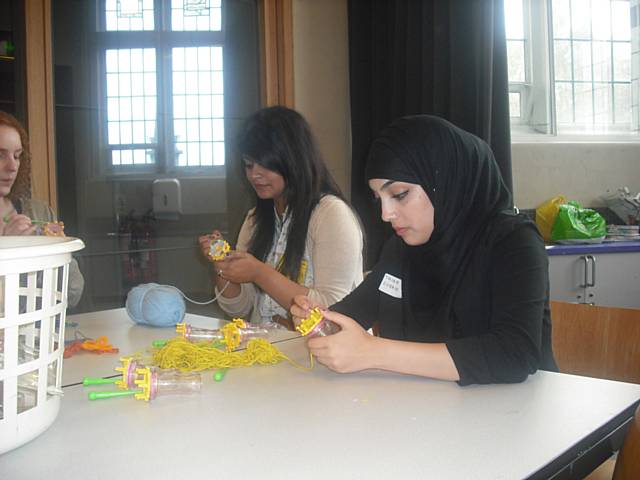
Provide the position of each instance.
(21, 186)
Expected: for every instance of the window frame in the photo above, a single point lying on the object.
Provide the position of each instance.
(163, 41)
(539, 88)
(276, 80)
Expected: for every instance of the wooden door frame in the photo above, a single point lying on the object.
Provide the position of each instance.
(276, 52)
(39, 100)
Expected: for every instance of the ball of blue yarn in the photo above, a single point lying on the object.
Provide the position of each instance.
(155, 305)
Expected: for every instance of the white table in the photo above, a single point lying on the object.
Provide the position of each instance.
(282, 422)
(125, 335)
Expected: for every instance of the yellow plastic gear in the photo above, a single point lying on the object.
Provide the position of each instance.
(143, 382)
(181, 328)
(309, 323)
(218, 249)
(231, 332)
(126, 361)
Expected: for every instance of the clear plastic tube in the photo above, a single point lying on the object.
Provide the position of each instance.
(194, 334)
(27, 391)
(324, 328)
(170, 382)
(250, 332)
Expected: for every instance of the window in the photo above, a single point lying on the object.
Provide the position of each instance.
(570, 66)
(161, 64)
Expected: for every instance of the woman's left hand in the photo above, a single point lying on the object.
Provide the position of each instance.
(350, 350)
(240, 267)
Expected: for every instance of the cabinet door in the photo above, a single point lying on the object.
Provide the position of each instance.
(597, 341)
(617, 280)
(567, 279)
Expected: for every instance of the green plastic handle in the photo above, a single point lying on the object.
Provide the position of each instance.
(5, 219)
(158, 343)
(219, 375)
(117, 393)
(98, 381)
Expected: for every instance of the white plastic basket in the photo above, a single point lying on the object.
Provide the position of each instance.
(34, 273)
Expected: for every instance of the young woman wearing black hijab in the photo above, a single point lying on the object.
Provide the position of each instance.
(461, 291)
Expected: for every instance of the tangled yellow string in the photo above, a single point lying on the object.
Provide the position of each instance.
(185, 356)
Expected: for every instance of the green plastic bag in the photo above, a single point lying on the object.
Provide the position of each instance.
(576, 223)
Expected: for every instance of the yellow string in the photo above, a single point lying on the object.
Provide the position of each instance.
(185, 356)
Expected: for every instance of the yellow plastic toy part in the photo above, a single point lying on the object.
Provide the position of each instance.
(124, 369)
(144, 382)
(231, 332)
(309, 323)
(54, 229)
(181, 328)
(218, 249)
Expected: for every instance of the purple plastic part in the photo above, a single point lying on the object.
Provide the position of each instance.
(153, 385)
(131, 374)
(187, 331)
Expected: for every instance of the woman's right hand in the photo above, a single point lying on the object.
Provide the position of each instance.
(17, 224)
(352, 349)
(349, 350)
(205, 243)
(301, 307)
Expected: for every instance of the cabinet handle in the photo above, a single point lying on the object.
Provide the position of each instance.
(589, 260)
(585, 284)
(593, 271)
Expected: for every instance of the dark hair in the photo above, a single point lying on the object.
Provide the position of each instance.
(280, 139)
(23, 179)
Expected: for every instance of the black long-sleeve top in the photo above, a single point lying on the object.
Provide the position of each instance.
(499, 320)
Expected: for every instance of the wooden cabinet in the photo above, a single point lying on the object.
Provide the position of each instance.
(601, 342)
(595, 309)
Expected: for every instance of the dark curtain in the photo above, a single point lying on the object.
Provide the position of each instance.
(442, 57)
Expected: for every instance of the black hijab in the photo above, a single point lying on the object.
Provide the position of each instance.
(472, 206)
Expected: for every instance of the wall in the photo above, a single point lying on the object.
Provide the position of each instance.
(581, 172)
(321, 79)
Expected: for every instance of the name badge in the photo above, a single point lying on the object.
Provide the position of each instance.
(391, 286)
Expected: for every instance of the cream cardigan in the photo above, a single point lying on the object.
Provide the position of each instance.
(334, 243)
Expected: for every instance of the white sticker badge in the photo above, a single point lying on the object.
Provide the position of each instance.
(391, 286)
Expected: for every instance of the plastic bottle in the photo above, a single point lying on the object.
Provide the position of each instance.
(153, 382)
(315, 325)
(195, 334)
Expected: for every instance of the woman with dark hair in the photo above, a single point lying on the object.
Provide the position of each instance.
(18, 211)
(301, 238)
(461, 292)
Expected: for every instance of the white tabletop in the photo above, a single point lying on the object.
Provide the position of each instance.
(282, 422)
(125, 335)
